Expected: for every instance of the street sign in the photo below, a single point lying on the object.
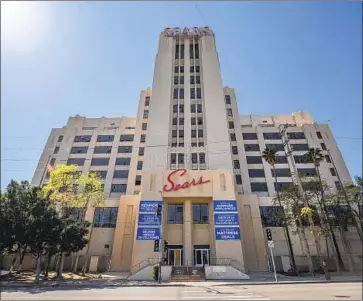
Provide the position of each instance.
(270, 244)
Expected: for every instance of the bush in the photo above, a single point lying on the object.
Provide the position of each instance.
(156, 272)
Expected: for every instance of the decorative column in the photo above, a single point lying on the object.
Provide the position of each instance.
(187, 233)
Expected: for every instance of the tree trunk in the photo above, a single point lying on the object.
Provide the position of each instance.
(37, 270)
(48, 266)
(307, 249)
(286, 229)
(75, 265)
(60, 267)
(347, 250)
(22, 255)
(12, 264)
(84, 268)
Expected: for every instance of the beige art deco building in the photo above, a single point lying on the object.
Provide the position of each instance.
(189, 148)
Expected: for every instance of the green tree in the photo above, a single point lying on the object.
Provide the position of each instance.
(68, 188)
(316, 156)
(270, 157)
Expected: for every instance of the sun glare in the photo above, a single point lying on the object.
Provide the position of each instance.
(24, 24)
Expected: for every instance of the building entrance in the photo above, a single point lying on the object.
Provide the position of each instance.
(175, 255)
(201, 255)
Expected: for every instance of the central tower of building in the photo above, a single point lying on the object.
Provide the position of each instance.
(187, 120)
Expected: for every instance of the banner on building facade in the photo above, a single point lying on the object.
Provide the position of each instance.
(148, 206)
(148, 220)
(226, 219)
(225, 206)
(227, 233)
(147, 233)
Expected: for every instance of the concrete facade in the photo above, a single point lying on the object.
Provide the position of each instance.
(188, 120)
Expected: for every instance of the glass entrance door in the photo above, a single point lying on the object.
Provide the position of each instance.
(175, 256)
(201, 257)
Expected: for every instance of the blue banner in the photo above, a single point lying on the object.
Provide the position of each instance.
(225, 206)
(148, 233)
(226, 219)
(148, 220)
(227, 233)
(148, 206)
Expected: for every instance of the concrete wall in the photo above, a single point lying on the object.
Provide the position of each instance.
(224, 273)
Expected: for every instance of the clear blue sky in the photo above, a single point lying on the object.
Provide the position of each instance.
(59, 59)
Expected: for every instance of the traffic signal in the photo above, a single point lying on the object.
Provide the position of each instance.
(156, 246)
(269, 234)
(158, 210)
(165, 245)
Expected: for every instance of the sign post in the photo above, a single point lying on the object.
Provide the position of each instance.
(159, 214)
(271, 246)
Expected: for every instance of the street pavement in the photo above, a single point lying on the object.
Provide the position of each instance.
(313, 291)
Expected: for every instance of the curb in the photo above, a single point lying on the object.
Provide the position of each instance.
(290, 282)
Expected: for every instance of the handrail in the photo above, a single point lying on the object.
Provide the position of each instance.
(143, 264)
(229, 262)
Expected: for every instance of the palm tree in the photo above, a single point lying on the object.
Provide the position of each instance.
(269, 155)
(316, 156)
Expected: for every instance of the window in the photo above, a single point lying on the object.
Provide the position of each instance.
(101, 173)
(144, 126)
(52, 161)
(181, 108)
(332, 171)
(173, 158)
(121, 174)
(200, 133)
(139, 165)
(197, 69)
(76, 161)
(86, 138)
(103, 149)
(181, 158)
(229, 112)
(105, 138)
(79, 150)
(194, 158)
(147, 101)
(181, 121)
(199, 108)
(176, 80)
(56, 150)
(296, 135)
(181, 69)
(256, 173)
(252, 147)
(118, 188)
(323, 146)
(319, 135)
(277, 147)
(230, 125)
(60, 138)
(192, 108)
(199, 93)
(234, 150)
(302, 159)
(99, 161)
(142, 138)
(200, 120)
(281, 172)
(271, 136)
(181, 133)
(191, 69)
(200, 214)
(123, 161)
(75, 212)
(327, 158)
(271, 216)
(191, 51)
(176, 69)
(181, 80)
(175, 108)
(281, 186)
(238, 179)
(174, 133)
(124, 149)
(249, 136)
(196, 51)
(177, 47)
(197, 79)
(105, 217)
(192, 93)
(146, 114)
(192, 80)
(299, 147)
(281, 159)
(254, 159)
(174, 144)
(236, 164)
(202, 158)
(175, 214)
(182, 51)
(200, 144)
(175, 93)
(181, 93)
(258, 187)
(138, 180)
(175, 121)
(126, 138)
(338, 185)
(232, 137)
(227, 98)
(309, 172)
(141, 151)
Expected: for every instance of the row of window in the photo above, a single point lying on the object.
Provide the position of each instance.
(195, 93)
(193, 80)
(98, 161)
(102, 150)
(273, 136)
(277, 147)
(174, 133)
(109, 138)
(193, 121)
(192, 69)
(193, 51)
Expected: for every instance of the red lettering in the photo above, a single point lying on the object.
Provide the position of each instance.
(172, 186)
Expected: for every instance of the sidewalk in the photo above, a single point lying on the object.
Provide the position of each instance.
(256, 279)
